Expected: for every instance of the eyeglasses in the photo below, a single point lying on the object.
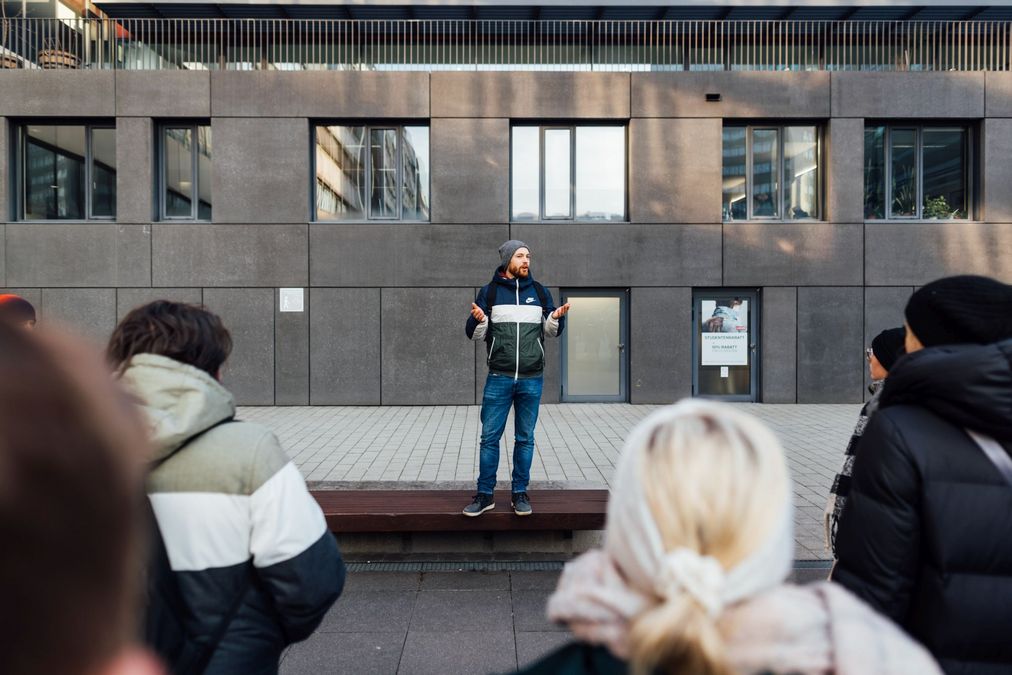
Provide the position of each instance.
(868, 352)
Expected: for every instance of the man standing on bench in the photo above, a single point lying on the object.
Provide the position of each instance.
(512, 314)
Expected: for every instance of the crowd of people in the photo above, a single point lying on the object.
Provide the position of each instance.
(147, 530)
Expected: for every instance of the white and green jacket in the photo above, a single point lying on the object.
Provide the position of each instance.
(518, 315)
(242, 533)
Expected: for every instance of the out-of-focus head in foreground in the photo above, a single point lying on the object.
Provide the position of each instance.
(16, 310)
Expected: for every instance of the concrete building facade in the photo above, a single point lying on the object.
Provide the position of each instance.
(385, 302)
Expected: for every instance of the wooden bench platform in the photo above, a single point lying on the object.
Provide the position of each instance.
(349, 511)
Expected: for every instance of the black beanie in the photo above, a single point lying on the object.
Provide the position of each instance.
(961, 310)
(889, 346)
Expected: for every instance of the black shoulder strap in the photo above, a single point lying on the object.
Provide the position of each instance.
(542, 296)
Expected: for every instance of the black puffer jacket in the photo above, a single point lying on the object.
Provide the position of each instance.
(926, 536)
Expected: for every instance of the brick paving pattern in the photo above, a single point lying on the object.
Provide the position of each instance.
(576, 446)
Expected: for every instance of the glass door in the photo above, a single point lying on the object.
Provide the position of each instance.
(725, 346)
(595, 361)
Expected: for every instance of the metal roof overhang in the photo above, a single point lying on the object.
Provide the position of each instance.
(870, 10)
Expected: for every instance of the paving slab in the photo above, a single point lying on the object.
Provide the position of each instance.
(340, 653)
(576, 446)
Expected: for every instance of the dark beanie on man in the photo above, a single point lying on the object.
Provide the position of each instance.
(889, 345)
(507, 250)
(965, 309)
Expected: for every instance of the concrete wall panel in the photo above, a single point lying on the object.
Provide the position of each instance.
(3, 254)
(792, 254)
(165, 93)
(404, 254)
(844, 180)
(660, 344)
(908, 95)
(135, 170)
(88, 312)
(5, 146)
(230, 255)
(830, 345)
(743, 95)
(675, 174)
(912, 254)
(531, 95)
(260, 170)
(883, 309)
(130, 298)
(427, 360)
(78, 254)
(345, 338)
(291, 353)
(470, 161)
(58, 93)
(248, 313)
(597, 255)
(779, 346)
(996, 164)
(320, 94)
(998, 90)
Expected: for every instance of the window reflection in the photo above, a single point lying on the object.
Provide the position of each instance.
(765, 186)
(600, 173)
(186, 165)
(390, 165)
(735, 206)
(944, 173)
(415, 188)
(568, 172)
(874, 172)
(801, 164)
(903, 146)
(557, 173)
(525, 170)
(66, 168)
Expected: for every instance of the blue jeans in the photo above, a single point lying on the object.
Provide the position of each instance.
(501, 393)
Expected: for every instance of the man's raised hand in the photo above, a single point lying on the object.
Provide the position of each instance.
(476, 312)
(561, 311)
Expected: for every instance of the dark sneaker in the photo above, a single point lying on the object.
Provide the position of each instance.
(521, 504)
(482, 503)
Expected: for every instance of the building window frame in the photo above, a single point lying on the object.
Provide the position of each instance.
(969, 184)
(399, 127)
(21, 169)
(193, 128)
(543, 129)
(782, 199)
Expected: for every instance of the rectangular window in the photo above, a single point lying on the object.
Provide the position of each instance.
(568, 173)
(372, 173)
(67, 172)
(185, 178)
(913, 172)
(771, 172)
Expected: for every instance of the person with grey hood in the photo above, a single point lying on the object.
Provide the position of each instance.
(244, 565)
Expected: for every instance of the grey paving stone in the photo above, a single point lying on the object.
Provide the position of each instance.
(370, 612)
(458, 652)
(808, 575)
(460, 581)
(529, 612)
(531, 647)
(532, 581)
(381, 581)
(339, 653)
(446, 611)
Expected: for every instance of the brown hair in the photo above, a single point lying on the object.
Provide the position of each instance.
(71, 458)
(182, 332)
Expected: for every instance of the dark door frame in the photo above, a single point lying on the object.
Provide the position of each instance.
(754, 296)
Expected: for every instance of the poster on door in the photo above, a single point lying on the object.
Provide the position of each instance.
(724, 332)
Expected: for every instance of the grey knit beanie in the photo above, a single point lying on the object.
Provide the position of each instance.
(507, 250)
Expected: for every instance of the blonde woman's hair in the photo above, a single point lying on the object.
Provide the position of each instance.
(715, 482)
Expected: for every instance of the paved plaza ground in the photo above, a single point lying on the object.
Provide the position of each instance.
(445, 623)
(576, 446)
